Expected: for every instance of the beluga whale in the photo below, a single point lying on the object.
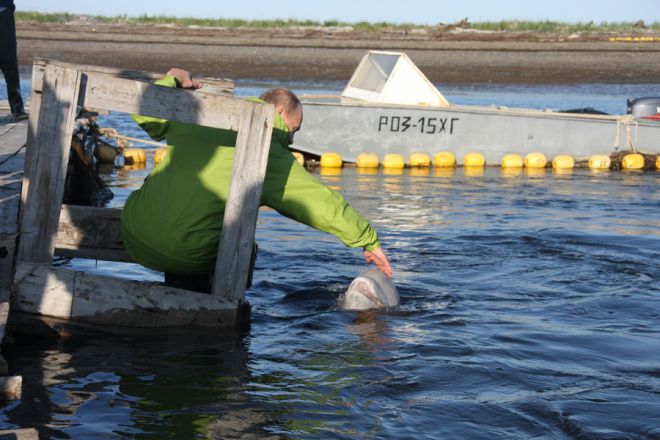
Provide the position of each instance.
(370, 290)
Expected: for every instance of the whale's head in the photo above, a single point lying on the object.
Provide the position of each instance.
(371, 290)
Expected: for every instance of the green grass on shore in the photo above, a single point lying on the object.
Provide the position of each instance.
(565, 28)
(500, 26)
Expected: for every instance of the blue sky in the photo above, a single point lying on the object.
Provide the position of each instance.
(415, 11)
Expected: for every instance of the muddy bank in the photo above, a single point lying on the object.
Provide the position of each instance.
(304, 54)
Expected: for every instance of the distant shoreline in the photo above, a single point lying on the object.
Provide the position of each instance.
(531, 26)
(309, 53)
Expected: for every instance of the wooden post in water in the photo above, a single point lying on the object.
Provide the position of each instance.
(52, 143)
(240, 220)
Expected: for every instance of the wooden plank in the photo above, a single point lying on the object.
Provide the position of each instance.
(52, 144)
(90, 232)
(63, 293)
(240, 219)
(216, 86)
(9, 201)
(13, 139)
(19, 434)
(37, 289)
(30, 153)
(12, 143)
(195, 107)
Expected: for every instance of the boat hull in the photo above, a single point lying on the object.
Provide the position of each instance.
(353, 128)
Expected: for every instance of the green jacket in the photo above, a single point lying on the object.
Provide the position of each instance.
(173, 223)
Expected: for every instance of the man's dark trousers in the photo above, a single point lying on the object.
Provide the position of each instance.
(8, 59)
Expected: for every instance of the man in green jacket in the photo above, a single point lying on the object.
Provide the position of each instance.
(172, 224)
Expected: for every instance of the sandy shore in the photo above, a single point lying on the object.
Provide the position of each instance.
(313, 54)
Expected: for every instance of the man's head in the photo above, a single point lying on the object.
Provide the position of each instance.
(288, 106)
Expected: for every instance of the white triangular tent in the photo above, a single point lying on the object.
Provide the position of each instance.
(392, 78)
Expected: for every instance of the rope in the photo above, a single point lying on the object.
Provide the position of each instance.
(112, 133)
(625, 121)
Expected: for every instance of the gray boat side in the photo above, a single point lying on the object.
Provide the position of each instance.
(350, 127)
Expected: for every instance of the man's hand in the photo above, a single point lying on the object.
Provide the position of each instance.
(184, 77)
(378, 256)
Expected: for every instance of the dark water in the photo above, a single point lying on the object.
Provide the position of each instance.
(530, 309)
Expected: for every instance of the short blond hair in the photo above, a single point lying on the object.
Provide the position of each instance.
(284, 97)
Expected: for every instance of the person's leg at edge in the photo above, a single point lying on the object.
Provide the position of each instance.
(9, 62)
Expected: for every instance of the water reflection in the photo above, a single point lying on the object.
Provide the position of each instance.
(562, 171)
(371, 328)
(391, 171)
(367, 171)
(125, 387)
(330, 171)
(511, 172)
(473, 171)
(420, 172)
(535, 172)
(444, 172)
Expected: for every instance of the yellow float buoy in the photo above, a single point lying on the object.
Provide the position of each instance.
(299, 157)
(634, 161)
(599, 162)
(657, 163)
(563, 162)
(134, 156)
(444, 159)
(420, 160)
(474, 160)
(159, 155)
(512, 161)
(331, 160)
(393, 161)
(367, 160)
(535, 160)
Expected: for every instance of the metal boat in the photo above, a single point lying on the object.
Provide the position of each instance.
(389, 106)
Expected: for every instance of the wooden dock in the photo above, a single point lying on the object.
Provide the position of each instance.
(12, 156)
(55, 299)
(35, 296)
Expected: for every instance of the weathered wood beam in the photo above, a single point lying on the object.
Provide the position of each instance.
(30, 154)
(242, 207)
(90, 232)
(194, 107)
(52, 143)
(216, 86)
(63, 293)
